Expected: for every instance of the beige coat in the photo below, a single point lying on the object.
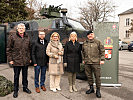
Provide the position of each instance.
(55, 65)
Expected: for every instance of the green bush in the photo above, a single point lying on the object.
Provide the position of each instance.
(6, 86)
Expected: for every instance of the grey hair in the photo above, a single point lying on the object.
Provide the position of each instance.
(71, 34)
(21, 24)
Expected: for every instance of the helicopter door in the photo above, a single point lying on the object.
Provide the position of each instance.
(3, 58)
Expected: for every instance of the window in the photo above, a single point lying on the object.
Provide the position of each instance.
(127, 34)
(127, 21)
(76, 24)
(57, 24)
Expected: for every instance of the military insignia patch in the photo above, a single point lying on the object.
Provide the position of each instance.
(108, 45)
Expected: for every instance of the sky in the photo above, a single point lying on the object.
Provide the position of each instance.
(73, 11)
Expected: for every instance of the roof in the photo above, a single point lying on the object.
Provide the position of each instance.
(127, 12)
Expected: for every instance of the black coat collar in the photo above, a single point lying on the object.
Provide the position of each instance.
(72, 42)
(38, 40)
(25, 35)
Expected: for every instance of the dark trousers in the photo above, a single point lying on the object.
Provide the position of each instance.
(17, 70)
(89, 70)
(42, 77)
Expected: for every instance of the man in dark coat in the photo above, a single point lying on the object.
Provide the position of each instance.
(18, 55)
(73, 58)
(40, 60)
(93, 56)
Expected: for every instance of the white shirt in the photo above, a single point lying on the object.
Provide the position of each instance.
(42, 41)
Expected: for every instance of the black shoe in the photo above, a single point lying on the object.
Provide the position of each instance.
(91, 90)
(15, 94)
(98, 94)
(27, 90)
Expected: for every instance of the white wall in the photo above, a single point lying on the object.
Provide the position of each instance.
(123, 27)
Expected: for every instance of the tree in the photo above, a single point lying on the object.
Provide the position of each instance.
(12, 10)
(2, 10)
(30, 12)
(95, 11)
(36, 6)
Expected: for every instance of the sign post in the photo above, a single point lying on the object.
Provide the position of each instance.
(107, 32)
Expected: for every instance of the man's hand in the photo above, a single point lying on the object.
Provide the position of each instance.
(65, 64)
(83, 62)
(59, 53)
(35, 64)
(30, 61)
(56, 57)
(101, 62)
(11, 62)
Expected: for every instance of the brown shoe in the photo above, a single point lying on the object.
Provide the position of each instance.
(43, 88)
(37, 90)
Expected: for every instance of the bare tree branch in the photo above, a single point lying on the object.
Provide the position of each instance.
(95, 10)
(36, 6)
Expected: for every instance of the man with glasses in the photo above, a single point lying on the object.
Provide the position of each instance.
(40, 60)
(18, 55)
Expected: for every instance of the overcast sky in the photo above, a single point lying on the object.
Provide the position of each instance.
(73, 11)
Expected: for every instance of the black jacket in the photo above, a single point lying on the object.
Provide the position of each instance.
(72, 56)
(39, 55)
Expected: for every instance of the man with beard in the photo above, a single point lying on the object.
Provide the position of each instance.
(93, 56)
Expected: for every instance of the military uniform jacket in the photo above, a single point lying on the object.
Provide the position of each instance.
(93, 51)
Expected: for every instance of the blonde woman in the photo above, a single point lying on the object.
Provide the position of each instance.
(72, 59)
(55, 52)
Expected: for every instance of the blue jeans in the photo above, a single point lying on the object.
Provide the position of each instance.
(42, 78)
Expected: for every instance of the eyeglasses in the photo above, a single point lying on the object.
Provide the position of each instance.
(21, 28)
(41, 34)
(55, 36)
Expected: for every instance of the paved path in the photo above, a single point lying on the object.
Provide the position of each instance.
(108, 93)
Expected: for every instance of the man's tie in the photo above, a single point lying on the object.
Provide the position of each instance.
(42, 42)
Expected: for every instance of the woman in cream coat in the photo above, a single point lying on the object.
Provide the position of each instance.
(55, 52)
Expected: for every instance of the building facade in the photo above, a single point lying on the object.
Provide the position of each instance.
(125, 19)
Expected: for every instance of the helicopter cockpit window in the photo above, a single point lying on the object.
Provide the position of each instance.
(76, 24)
(57, 24)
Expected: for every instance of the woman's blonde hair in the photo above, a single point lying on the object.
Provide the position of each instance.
(51, 38)
(74, 34)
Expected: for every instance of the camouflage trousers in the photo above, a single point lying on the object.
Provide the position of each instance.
(91, 69)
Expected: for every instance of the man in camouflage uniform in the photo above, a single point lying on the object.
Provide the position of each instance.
(93, 56)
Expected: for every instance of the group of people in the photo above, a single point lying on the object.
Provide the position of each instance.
(20, 54)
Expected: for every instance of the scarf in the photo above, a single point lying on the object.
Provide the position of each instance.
(56, 45)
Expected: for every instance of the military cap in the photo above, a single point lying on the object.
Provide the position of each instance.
(89, 32)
